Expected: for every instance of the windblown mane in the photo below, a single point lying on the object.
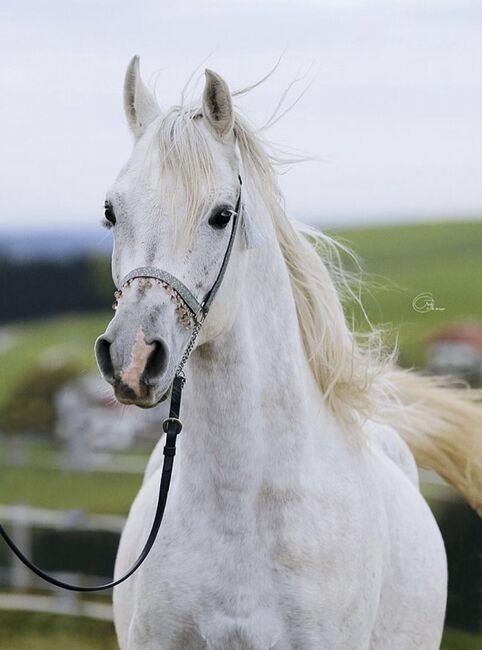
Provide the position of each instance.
(357, 374)
(346, 365)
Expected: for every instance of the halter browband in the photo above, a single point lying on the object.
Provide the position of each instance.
(172, 425)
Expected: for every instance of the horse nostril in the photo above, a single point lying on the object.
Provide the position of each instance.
(104, 359)
(156, 362)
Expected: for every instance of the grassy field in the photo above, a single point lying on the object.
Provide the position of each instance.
(104, 493)
(48, 342)
(43, 632)
(32, 631)
(41, 484)
(444, 259)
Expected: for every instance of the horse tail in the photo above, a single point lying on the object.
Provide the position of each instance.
(442, 425)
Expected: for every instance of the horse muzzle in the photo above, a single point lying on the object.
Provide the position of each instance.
(136, 365)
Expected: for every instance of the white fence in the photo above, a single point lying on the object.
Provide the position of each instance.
(21, 521)
(55, 605)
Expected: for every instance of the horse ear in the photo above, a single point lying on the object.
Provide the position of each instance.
(139, 103)
(217, 104)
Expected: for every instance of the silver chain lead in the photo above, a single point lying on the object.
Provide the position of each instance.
(189, 348)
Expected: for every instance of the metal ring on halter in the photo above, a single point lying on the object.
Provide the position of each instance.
(170, 422)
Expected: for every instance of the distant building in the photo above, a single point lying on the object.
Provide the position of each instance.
(89, 418)
(456, 349)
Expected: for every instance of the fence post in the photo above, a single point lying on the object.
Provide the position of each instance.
(22, 533)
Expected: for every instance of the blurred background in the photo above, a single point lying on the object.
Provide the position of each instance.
(391, 110)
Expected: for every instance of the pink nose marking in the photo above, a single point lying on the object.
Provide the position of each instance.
(131, 376)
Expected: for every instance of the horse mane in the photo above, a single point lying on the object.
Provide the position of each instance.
(357, 374)
(347, 365)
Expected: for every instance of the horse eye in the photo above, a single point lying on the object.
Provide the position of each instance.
(221, 218)
(109, 214)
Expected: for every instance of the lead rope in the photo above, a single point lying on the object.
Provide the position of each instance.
(172, 425)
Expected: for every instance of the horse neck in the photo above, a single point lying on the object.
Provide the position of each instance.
(252, 407)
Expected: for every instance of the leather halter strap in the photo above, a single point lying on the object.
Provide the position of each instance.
(172, 425)
(209, 297)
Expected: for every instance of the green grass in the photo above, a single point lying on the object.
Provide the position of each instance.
(45, 451)
(106, 493)
(444, 259)
(32, 631)
(459, 640)
(49, 341)
(53, 341)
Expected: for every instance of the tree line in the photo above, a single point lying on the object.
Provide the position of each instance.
(34, 288)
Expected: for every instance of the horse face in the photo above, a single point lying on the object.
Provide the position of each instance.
(146, 207)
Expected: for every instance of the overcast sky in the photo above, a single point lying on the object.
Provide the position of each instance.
(393, 113)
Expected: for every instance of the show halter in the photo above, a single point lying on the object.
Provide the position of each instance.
(172, 425)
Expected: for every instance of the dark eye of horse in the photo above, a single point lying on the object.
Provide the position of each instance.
(220, 218)
(109, 215)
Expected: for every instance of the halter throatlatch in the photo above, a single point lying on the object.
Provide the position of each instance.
(189, 309)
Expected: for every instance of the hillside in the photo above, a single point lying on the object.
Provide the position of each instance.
(442, 258)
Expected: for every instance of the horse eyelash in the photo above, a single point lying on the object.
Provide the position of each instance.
(106, 224)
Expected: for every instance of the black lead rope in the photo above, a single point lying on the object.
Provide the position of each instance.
(172, 427)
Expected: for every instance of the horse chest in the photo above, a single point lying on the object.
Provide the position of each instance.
(244, 580)
(216, 591)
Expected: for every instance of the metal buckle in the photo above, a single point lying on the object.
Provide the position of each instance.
(167, 423)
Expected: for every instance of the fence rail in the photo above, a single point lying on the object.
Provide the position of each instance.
(23, 515)
(54, 605)
(22, 521)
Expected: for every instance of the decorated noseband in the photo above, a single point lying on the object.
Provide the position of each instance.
(189, 310)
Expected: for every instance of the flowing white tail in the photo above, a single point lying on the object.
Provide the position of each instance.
(442, 425)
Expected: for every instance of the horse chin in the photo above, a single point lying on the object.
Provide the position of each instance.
(147, 399)
(155, 402)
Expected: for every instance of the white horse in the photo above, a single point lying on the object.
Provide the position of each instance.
(294, 520)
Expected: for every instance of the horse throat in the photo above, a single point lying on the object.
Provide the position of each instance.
(251, 391)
